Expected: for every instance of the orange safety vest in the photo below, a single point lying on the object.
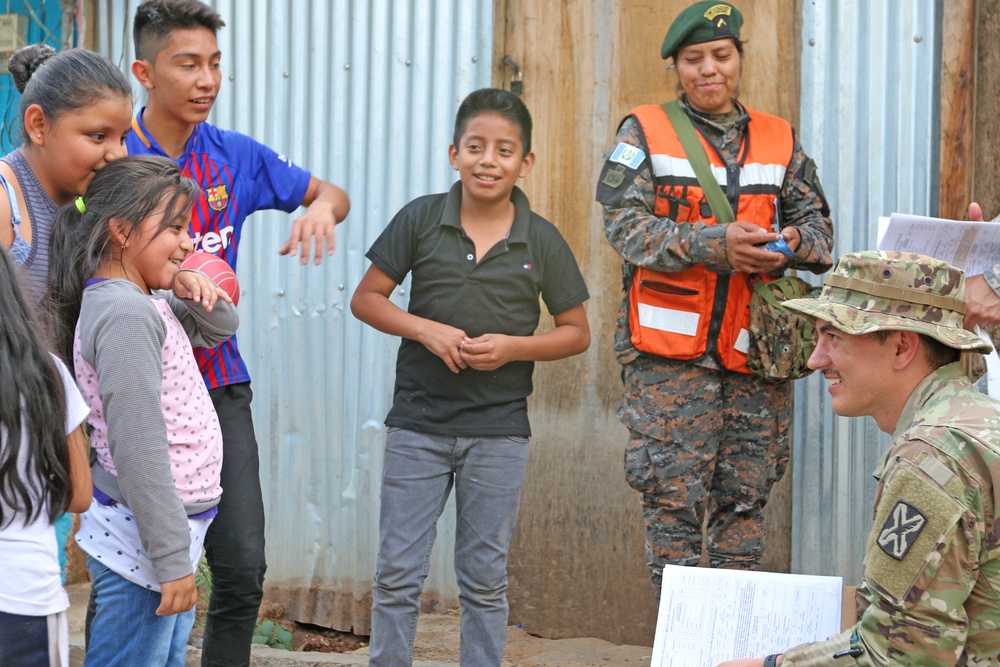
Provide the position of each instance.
(678, 315)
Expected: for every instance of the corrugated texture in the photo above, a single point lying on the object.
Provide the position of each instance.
(364, 94)
(870, 109)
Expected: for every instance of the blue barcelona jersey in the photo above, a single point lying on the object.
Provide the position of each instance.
(238, 176)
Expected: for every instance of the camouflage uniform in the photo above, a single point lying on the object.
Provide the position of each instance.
(703, 438)
(993, 276)
(931, 592)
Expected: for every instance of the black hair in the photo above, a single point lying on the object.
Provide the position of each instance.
(494, 100)
(64, 82)
(738, 43)
(936, 353)
(156, 19)
(32, 411)
(128, 190)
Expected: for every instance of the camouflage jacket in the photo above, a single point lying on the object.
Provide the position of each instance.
(931, 591)
(643, 239)
(993, 276)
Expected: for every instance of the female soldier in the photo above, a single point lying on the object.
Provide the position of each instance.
(706, 436)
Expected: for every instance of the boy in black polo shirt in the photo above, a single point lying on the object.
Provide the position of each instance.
(479, 258)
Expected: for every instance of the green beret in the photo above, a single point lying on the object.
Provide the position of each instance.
(702, 22)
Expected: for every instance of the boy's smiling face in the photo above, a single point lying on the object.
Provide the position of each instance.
(490, 158)
(185, 79)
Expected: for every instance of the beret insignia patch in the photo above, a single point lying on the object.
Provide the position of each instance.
(901, 529)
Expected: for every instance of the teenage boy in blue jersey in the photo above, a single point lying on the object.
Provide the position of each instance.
(177, 62)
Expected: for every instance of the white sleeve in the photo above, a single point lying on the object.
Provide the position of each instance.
(76, 408)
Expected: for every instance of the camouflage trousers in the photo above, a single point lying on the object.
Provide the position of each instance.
(704, 444)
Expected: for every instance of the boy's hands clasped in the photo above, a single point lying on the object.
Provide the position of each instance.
(487, 352)
(483, 353)
(444, 341)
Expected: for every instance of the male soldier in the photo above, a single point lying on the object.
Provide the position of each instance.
(890, 333)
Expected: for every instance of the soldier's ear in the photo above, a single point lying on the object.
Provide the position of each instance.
(906, 348)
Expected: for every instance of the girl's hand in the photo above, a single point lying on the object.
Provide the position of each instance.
(198, 287)
(487, 352)
(177, 596)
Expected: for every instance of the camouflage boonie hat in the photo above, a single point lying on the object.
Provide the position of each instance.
(877, 290)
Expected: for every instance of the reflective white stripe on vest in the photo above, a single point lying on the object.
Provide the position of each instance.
(665, 319)
(750, 174)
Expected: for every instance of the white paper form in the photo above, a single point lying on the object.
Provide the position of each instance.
(972, 246)
(708, 616)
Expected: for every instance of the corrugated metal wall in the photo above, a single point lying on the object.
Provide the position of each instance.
(870, 110)
(364, 94)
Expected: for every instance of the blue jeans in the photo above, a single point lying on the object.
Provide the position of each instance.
(234, 545)
(419, 472)
(126, 632)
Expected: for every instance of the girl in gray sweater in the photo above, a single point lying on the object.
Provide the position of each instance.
(128, 316)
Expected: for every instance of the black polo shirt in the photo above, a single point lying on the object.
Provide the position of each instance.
(497, 295)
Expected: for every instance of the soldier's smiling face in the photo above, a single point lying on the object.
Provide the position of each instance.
(859, 370)
(709, 74)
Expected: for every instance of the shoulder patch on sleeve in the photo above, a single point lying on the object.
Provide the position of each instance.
(901, 530)
(628, 155)
(613, 177)
(915, 520)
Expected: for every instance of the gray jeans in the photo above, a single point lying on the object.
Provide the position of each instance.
(419, 472)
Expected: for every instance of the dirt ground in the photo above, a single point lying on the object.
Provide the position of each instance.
(436, 646)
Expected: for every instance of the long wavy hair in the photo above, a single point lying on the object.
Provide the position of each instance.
(32, 412)
(128, 190)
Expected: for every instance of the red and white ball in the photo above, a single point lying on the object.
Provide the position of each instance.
(215, 268)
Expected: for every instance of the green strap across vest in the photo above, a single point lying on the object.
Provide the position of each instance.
(695, 153)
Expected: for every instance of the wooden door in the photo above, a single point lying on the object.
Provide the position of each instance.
(578, 564)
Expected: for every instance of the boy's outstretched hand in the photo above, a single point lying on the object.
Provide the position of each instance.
(313, 232)
(312, 235)
(177, 596)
